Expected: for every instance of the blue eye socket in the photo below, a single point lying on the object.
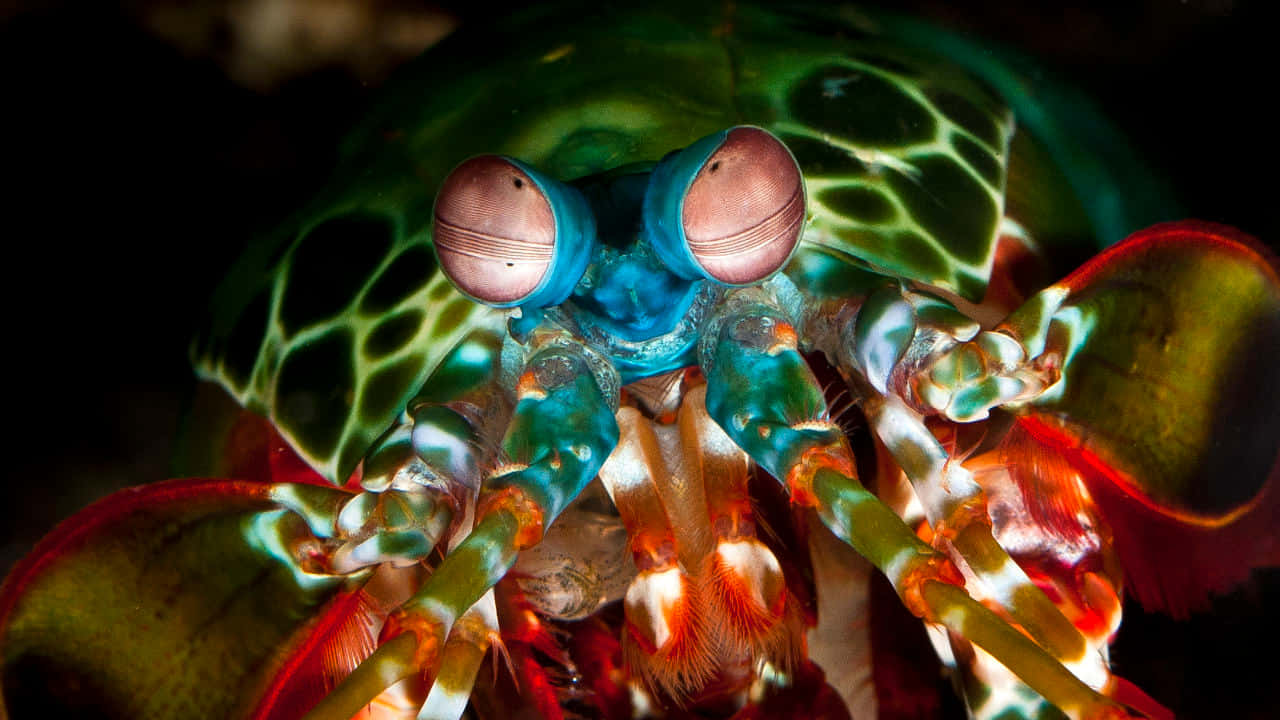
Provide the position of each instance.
(728, 208)
(507, 235)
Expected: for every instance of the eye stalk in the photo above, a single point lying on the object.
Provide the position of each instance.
(507, 235)
(728, 208)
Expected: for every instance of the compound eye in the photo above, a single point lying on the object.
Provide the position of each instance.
(744, 210)
(494, 231)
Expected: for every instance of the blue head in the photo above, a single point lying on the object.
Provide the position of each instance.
(622, 257)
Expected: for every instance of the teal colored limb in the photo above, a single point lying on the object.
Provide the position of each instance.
(761, 391)
(560, 434)
(562, 431)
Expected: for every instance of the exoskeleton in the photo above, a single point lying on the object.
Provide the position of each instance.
(626, 349)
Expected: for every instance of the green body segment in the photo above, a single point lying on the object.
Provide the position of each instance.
(904, 158)
(1073, 176)
(330, 325)
(1172, 397)
(197, 579)
(341, 335)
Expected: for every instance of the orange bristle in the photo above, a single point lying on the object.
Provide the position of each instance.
(325, 651)
(747, 593)
(1171, 563)
(665, 639)
(1050, 487)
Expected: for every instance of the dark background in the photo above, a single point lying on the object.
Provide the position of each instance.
(139, 152)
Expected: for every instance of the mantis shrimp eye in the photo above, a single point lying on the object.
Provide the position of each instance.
(743, 212)
(506, 235)
(728, 208)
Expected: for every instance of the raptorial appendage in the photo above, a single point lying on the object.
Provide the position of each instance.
(1028, 606)
(922, 350)
(783, 425)
(648, 327)
(561, 430)
(910, 357)
(419, 481)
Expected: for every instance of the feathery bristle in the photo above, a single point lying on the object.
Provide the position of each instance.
(747, 593)
(665, 639)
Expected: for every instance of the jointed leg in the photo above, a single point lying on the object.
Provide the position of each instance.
(906, 355)
(763, 394)
(470, 639)
(744, 579)
(561, 431)
(419, 474)
(957, 511)
(707, 587)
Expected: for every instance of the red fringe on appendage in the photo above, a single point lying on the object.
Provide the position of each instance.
(521, 624)
(541, 668)
(1193, 232)
(1046, 482)
(73, 533)
(1054, 500)
(685, 662)
(319, 656)
(747, 623)
(536, 689)
(1170, 564)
